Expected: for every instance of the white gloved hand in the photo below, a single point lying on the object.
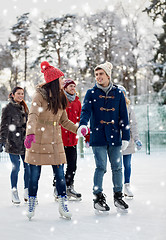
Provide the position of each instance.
(124, 144)
(82, 131)
(87, 145)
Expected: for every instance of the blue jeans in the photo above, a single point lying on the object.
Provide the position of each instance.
(15, 159)
(58, 171)
(100, 155)
(127, 167)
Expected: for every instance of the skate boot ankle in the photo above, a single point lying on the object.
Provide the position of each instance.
(31, 207)
(26, 194)
(15, 197)
(100, 202)
(63, 207)
(127, 190)
(55, 194)
(118, 202)
(72, 193)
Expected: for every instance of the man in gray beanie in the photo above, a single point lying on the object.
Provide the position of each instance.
(104, 105)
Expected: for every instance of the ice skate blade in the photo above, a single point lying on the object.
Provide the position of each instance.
(122, 211)
(66, 218)
(16, 204)
(128, 197)
(103, 213)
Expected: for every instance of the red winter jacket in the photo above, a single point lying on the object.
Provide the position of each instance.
(73, 111)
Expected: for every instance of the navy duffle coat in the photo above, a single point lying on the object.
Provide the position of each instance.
(109, 123)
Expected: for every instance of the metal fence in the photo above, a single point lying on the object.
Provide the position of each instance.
(151, 118)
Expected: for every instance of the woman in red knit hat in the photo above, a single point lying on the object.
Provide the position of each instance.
(43, 136)
(70, 139)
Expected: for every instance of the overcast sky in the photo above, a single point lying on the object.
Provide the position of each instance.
(10, 9)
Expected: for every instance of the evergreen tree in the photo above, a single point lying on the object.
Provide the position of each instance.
(21, 32)
(57, 42)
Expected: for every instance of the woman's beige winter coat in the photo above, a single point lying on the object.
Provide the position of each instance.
(48, 149)
(133, 132)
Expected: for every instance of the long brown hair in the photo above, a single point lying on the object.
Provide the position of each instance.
(55, 96)
(23, 101)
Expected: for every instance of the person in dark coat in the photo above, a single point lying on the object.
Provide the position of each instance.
(12, 136)
(70, 139)
(104, 105)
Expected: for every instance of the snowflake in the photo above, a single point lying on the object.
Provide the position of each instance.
(40, 109)
(75, 222)
(12, 127)
(127, 127)
(52, 229)
(96, 188)
(138, 228)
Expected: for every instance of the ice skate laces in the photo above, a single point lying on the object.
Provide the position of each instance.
(64, 203)
(31, 204)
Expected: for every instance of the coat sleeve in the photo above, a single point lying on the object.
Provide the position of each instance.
(133, 125)
(86, 109)
(4, 128)
(124, 120)
(34, 113)
(67, 124)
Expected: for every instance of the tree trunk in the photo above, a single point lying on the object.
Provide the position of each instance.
(25, 70)
(59, 58)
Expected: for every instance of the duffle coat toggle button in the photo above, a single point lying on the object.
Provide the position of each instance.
(102, 122)
(107, 109)
(101, 96)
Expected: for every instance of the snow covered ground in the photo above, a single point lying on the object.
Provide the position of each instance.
(146, 219)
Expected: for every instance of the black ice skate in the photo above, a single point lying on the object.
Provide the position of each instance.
(100, 202)
(71, 193)
(118, 202)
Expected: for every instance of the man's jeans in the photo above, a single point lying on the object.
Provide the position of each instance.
(15, 159)
(35, 171)
(100, 155)
(127, 167)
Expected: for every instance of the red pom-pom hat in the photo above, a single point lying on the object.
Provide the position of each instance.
(50, 73)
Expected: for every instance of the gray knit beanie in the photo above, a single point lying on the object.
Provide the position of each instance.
(107, 67)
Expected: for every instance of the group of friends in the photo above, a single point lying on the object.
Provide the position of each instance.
(47, 134)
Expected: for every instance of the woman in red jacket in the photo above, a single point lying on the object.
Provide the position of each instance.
(70, 139)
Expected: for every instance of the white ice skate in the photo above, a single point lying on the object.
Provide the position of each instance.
(127, 191)
(25, 195)
(31, 207)
(63, 207)
(15, 197)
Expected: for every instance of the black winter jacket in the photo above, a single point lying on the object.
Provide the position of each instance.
(13, 128)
